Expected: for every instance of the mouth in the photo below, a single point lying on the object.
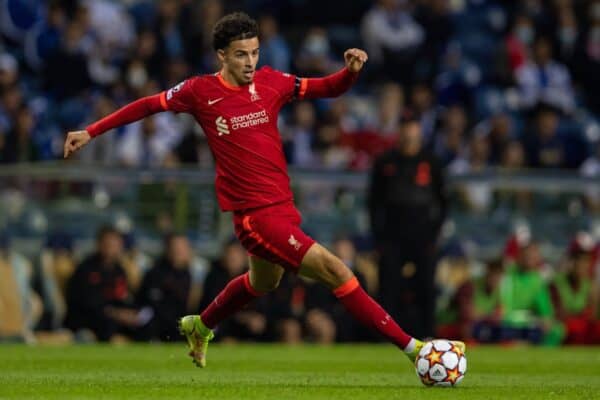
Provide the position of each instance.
(248, 74)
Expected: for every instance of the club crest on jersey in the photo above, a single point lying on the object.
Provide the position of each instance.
(174, 90)
(294, 242)
(253, 94)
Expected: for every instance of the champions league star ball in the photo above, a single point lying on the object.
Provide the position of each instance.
(441, 363)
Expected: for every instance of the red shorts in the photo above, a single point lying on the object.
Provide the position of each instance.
(273, 233)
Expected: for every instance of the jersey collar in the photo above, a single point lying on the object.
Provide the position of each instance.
(225, 83)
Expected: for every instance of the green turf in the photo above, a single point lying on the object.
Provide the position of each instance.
(277, 372)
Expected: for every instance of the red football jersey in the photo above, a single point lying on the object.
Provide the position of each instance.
(240, 124)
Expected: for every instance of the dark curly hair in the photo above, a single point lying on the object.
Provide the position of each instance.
(234, 26)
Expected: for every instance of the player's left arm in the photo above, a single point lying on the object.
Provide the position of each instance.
(335, 84)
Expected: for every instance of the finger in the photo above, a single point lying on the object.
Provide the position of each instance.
(67, 148)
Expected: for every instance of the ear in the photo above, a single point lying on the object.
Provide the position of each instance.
(221, 55)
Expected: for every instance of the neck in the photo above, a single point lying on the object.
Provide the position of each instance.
(228, 77)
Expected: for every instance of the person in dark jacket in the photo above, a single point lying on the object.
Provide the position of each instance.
(166, 288)
(98, 297)
(407, 206)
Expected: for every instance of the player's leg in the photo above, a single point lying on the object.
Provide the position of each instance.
(320, 264)
(262, 277)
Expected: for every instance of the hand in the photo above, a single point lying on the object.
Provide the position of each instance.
(74, 141)
(355, 59)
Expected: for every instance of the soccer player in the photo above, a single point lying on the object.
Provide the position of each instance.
(237, 108)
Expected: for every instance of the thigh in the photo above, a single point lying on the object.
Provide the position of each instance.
(274, 235)
(264, 275)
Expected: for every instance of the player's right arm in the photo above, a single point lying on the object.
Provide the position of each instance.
(180, 98)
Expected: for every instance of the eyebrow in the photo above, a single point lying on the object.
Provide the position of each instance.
(246, 51)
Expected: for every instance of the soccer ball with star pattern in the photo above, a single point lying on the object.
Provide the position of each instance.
(441, 363)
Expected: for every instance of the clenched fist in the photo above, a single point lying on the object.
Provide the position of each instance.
(355, 59)
(74, 141)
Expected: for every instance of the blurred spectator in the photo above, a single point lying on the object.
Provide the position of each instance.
(591, 169)
(19, 145)
(66, 71)
(473, 310)
(134, 261)
(499, 130)
(546, 147)
(54, 268)
(98, 297)
(168, 288)
(439, 24)
(274, 51)
(42, 42)
(513, 160)
(381, 131)
(458, 77)
(147, 143)
(9, 71)
(20, 307)
(102, 149)
(518, 41)
(390, 107)
(542, 143)
(299, 136)
(392, 38)
(588, 60)
(527, 311)
(477, 196)
(513, 156)
(11, 102)
(567, 32)
(572, 294)
(486, 311)
(452, 135)
(314, 57)
(422, 103)
(327, 146)
(407, 206)
(543, 79)
(248, 324)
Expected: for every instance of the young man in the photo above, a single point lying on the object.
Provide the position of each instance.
(237, 108)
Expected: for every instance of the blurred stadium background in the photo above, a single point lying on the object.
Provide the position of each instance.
(506, 91)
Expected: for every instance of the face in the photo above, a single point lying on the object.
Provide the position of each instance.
(531, 257)
(410, 138)
(234, 259)
(111, 247)
(582, 265)
(493, 278)
(542, 51)
(180, 252)
(547, 122)
(239, 59)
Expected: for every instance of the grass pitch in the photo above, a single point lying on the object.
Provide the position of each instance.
(277, 372)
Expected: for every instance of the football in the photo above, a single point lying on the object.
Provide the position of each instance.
(441, 363)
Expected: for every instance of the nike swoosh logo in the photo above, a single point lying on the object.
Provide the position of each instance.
(211, 102)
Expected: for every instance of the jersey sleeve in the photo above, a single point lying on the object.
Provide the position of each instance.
(288, 85)
(181, 97)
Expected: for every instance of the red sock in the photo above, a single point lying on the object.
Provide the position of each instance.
(236, 295)
(369, 313)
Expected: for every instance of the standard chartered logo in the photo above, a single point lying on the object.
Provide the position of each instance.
(222, 127)
(242, 121)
